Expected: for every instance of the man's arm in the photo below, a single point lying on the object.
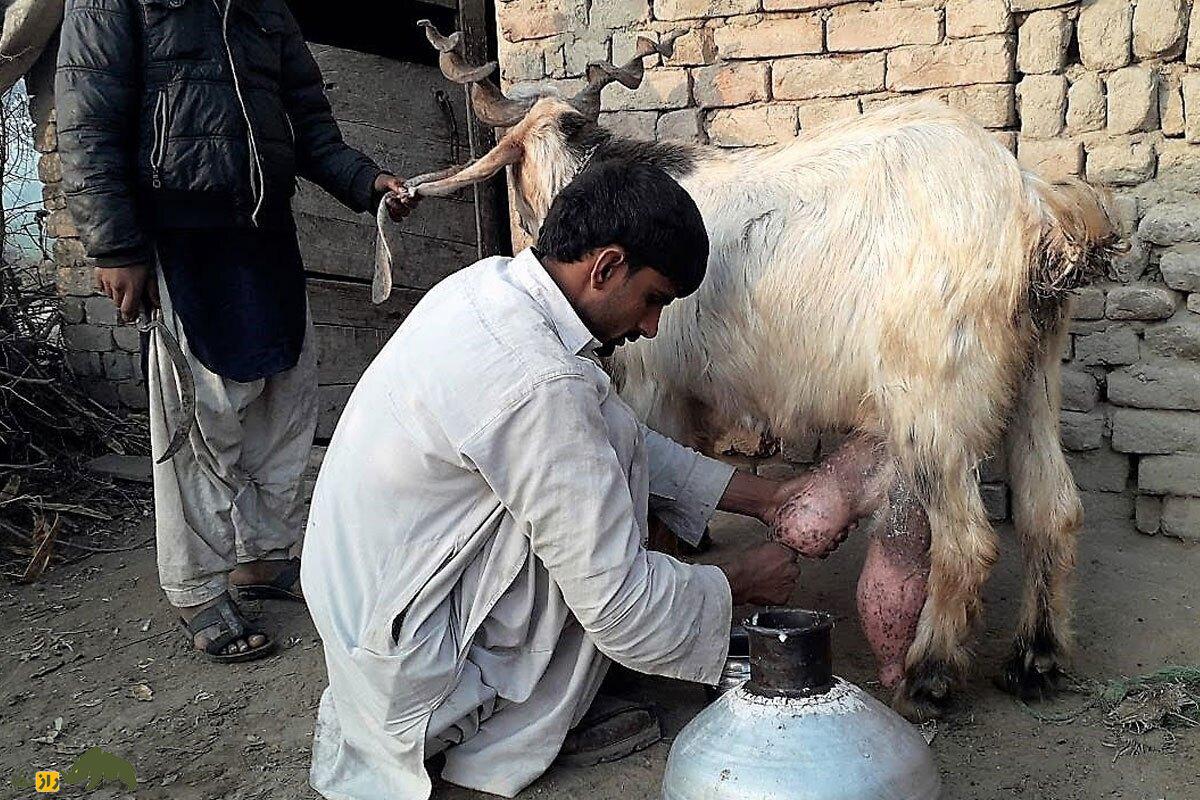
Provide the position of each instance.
(685, 486)
(321, 154)
(97, 86)
(549, 460)
(811, 513)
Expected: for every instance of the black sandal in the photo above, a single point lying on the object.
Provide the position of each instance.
(280, 588)
(612, 729)
(222, 624)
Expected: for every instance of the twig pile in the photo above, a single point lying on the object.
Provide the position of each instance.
(48, 429)
(1144, 712)
(48, 426)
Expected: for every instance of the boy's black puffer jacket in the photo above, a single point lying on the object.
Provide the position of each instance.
(192, 113)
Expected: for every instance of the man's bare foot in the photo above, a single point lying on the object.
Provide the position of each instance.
(201, 642)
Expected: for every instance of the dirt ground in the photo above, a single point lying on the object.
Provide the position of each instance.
(95, 645)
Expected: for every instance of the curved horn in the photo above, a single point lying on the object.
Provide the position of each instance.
(489, 103)
(454, 66)
(666, 43)
(443, 44)
(629, 75)
(493, 108)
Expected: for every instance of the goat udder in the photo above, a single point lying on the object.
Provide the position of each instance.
(847, 486)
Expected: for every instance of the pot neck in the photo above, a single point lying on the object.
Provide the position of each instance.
(791, 654)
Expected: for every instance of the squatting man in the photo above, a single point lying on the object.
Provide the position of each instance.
(475, 559)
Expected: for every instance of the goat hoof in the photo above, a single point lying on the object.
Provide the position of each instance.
(916, 708)
(1032, 672)
(925, 692)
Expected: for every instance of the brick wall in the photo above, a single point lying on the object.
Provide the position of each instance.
(102, 353)
(1102, 90)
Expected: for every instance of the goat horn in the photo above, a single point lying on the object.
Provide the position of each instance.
(443, 44)
(489, 103)
(629, 75)
(454, 66)
(493, 108)
(666, 43)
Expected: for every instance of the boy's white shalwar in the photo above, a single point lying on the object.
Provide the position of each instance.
(474, 555)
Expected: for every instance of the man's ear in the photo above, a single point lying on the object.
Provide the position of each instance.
(607, 264)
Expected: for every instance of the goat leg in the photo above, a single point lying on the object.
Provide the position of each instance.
(894, 583)
(823, 503)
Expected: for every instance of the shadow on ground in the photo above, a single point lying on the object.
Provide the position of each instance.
(93, 656)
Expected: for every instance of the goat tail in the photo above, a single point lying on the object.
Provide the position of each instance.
(1076, 241)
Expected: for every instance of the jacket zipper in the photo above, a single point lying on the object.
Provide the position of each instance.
(256, 171)
(158, 151)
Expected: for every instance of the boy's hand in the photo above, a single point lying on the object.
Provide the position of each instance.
(131, 288)
(400, 201)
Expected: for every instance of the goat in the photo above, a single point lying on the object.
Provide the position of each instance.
(899, 275)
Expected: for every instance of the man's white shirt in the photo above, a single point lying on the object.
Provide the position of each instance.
(475, 550)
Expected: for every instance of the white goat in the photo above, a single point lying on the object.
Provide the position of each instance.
(898, 274)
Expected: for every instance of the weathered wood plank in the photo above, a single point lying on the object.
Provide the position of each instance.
(404, 160)
(344, 352)
(330, 402)
(436, 217)
(410, 144)
(335, 247)
(404, 152)
(409, 147)
(391, 111)
(333, 302)
(411, 120)
(490, 196)
(377, 91)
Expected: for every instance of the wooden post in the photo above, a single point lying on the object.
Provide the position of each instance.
(491, 198)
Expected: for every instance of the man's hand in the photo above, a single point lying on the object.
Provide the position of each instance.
(131, 288)
(815, 512)
(763, 576)
(400, 201)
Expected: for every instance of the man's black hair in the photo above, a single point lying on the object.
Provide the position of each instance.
(634, 205)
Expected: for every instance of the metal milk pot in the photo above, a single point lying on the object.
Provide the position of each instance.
(794, 731)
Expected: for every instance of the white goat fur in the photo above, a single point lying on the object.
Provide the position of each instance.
(876, 274)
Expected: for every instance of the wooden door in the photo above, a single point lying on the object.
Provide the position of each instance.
(410, 119)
